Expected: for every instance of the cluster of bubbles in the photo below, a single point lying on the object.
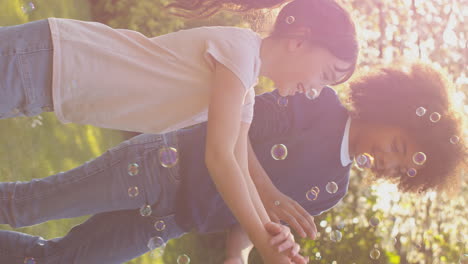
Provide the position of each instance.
(168, 158)
(433, 117)
(366, 161)
(313, 193)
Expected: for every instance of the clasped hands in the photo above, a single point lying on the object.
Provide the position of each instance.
(281, 207)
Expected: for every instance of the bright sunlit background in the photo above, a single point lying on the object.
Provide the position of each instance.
(372, 224)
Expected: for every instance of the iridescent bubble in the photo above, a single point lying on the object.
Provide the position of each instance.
(183, 259)
(323, 223)
(374, 221)
(28, 8)
(331, 187)
(283, 101)
(279, 152)
(312, 94)
(318, 256)
(133, 192)
(313, 193)
(364, 160)
(419, 158)
(133, 169)
(156, 246)
(29, 261)
(374, 254)
(411, 172)
(145, 210)
(168, 157)
(454, 139)
(435, 117)
(290, 19)
(340, 225)
(336, 236)
(160, 225)
(420, 111)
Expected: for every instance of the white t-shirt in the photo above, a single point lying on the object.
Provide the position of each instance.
(120, 79)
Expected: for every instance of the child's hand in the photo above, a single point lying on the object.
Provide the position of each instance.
(282, 207)
(284, 242)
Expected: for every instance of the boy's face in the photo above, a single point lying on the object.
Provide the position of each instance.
(303, 67)
(395, 153)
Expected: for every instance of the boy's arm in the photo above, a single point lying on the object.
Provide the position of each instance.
(238, 245)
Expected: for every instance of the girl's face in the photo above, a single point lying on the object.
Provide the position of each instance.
(301, 67)
(391, 148)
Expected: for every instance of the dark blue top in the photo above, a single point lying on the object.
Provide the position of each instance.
(312, 131)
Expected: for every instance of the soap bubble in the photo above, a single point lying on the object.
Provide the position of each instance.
(374, 254)
(133, 192)
(331, 187)
(28, 8)
(146, 210)
(168, 157)
(364, 160)
(160, 225)
(312, 94)
(279, 152)
(313, 193)
(454, 139)
(411, 172)
(133, 169)
(420, 111)
(374, 221)
(283, 101)
(336, 236)
(419, 158)
(156, 246)
(183, 259)
(435, 117)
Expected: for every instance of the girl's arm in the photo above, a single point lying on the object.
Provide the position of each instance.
(226, 160)
(288, 210)
(238, 245)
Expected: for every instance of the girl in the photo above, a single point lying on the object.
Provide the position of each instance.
(114, 78)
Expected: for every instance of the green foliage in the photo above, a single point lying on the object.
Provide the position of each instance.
(13, 12)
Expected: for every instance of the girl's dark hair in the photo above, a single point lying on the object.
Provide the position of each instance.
(330, 25)
(391, 95)
(207, 8)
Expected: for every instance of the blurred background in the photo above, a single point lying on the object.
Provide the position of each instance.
(371, 225)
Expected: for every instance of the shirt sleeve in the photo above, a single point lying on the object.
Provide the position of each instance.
(238, 50)
(248, 107)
